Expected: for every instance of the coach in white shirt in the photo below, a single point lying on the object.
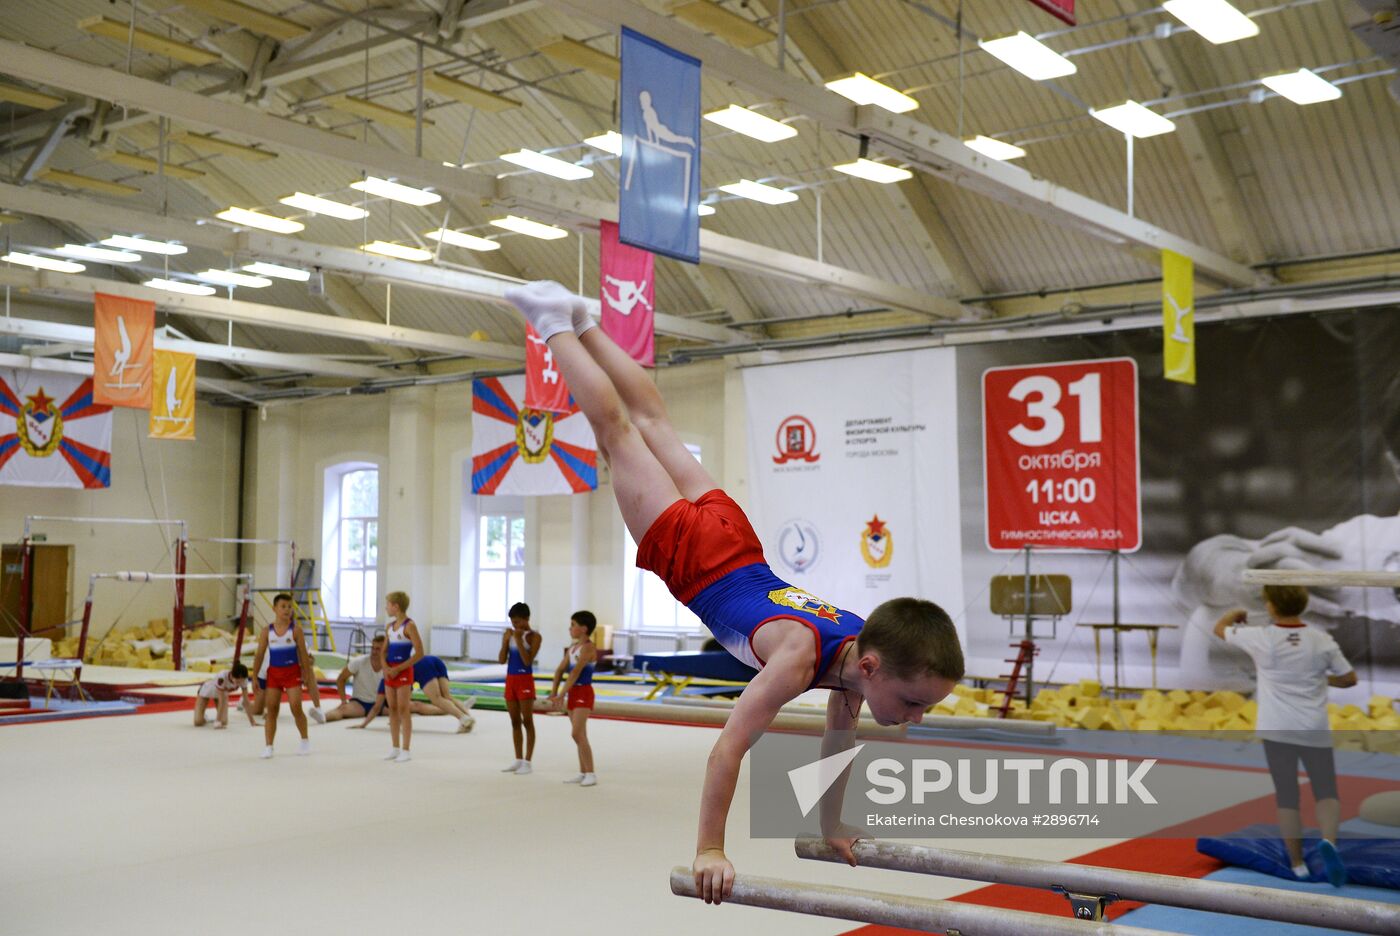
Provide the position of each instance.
(1296, 663)
(367, 672)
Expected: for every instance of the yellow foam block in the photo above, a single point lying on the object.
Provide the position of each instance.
(1179, 696)
(1089, 718)
(1352, 711)
(1147, 724)
(1195, 710)
(1090, 688)
(1230, 701)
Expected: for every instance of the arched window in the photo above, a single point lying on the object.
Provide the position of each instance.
(352, 543)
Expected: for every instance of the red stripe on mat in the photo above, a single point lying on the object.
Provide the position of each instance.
(1171, 851)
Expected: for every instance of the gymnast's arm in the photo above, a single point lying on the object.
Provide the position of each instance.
(782, 679)
(840, 735)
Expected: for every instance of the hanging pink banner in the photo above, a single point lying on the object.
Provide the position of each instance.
(627, 289)
(544, 385)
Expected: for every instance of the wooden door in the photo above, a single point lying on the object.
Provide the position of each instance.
(49, 589)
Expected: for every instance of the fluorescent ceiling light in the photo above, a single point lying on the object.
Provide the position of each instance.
(99, 254)
(995, 149)
(149, 246)
(256, 219)
(324, 206)
(610, 142)
(230, 278)
(874, 171)
(863, 89)
(759, 192)
(1132, 118)
(1029, 56)
(277, 271)
(532, 228)
(539, 162)
(706, 210)
(178, 286)
(751, 124)
(393, 190)
(458, 239)
(398, 251)
(43, 263)
(1216, 20)
(1302, 87)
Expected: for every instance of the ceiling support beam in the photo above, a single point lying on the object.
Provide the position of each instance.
(68, 286)
(55, 70)
(905, 138)
(205, 351)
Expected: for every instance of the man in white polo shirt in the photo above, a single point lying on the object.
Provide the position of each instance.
(366, 670)
(1296, 663)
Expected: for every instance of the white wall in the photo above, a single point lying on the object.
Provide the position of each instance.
(194, 481)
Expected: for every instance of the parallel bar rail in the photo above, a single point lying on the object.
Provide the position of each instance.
(1267, 903)
(916, 913)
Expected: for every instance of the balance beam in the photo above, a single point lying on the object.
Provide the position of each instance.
(1322, 578)
(1308, 909)
(915, 913)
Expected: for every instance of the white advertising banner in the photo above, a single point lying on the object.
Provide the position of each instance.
(854, 473)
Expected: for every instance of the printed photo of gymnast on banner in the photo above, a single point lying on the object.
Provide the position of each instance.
(1284, 456)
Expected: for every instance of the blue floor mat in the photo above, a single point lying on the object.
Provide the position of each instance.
(1369, 862)
(1176, 920)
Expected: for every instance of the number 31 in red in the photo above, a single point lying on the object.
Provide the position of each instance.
(1061, 455)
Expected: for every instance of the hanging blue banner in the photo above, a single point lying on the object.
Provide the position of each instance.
(659, 193)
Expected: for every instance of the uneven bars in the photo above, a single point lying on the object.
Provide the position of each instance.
(1322, 578)
(237, 539)
(144, 521)
(916, 913)
(170, 576)
(1308, 909)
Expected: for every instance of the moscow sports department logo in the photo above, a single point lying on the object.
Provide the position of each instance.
(534, 433)
(797, 441)
(799, 546)
(876, 544)
(40, 425)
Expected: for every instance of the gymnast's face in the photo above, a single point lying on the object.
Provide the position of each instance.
(896, 701)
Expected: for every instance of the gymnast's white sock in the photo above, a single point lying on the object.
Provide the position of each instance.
(1301, 872)
(546, 305)
(582, 320)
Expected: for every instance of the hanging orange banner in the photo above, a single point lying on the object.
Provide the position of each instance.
(121, 374)
(172, 409)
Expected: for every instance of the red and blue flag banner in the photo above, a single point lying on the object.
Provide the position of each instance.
(627, 290)
(123, 347)
(52, 433)
(544, 384)
(523, 451)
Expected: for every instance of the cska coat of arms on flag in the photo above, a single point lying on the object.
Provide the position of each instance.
(52, 434)
(522, 451)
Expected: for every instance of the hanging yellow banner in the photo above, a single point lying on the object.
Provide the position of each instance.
(172, 403)
(1178, 318)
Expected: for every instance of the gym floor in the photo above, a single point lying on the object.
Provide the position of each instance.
(181, 832)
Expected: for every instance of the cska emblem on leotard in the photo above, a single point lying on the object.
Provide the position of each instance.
(534, 432)
(799, 600)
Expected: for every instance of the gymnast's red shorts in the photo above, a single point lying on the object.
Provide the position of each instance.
(404, 678)
(283, 677)
(580, 697)
(520, 686)
(694, 544)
